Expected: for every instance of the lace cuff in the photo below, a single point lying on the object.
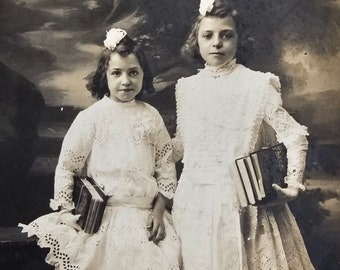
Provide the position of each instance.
(296, 155)
(165, 171)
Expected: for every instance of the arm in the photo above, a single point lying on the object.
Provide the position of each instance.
(155, 223)
(293, 135)
(165, 174)
(177, 142)
(75, 149)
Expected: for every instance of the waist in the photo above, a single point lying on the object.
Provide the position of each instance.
(131, 201)
(207, 177)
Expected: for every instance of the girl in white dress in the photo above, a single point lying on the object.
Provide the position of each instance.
(219, 114)
(124, 145)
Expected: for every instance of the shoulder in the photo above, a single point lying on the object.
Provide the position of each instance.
(187, 83)
(189, 80)
(259, 79)
(149, 114)
(147, 108)
(93, 111)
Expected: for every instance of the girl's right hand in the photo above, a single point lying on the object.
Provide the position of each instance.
(71, 220)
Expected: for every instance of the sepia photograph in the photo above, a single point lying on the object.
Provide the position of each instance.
(182, 134)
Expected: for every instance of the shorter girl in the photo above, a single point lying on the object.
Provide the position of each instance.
(124, 145)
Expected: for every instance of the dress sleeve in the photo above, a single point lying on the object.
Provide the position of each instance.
(165, 171)
(288, 131)
(177, 141)
(75, 149)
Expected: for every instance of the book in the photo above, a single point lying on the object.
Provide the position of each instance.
(261, 169)
(253, 178)
(90, 201)
(246, 181)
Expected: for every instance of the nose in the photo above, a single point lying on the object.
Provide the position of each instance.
(217, 42)
(125, 80)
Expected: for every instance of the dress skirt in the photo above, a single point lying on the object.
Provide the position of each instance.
(217, 234)
(120, 243)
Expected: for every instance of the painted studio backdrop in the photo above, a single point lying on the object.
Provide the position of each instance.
(49, 47)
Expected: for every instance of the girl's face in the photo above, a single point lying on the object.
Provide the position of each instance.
(124, 77)
(217, 40)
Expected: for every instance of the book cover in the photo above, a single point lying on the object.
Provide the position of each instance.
(82, 200)
(271, 168)
(90, 201)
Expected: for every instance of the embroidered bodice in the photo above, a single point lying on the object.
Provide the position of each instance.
(124, 146)
(219, 115)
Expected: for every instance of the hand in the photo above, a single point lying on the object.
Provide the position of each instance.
(284, 195)
(155, 225)
(71, 220)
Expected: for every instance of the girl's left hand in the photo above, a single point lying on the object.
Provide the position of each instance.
(284, 195)
(155, 226)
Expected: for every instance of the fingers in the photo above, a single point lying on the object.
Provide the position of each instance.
(160, 234)
(156, 228)
(290, 192)
(149, 222)
(70, 220)
(157, 234)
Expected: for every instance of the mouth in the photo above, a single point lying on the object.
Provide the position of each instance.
(216, 53)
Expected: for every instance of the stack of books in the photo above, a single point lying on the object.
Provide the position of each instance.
(258, 171)
(90, 201)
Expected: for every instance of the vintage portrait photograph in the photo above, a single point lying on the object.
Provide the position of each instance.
(170, 135)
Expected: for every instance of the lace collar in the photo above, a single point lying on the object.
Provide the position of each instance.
(218, 71)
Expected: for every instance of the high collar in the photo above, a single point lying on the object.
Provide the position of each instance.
(130, 103)
(223, 69)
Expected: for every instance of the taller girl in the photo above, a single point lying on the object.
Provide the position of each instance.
(219, 114)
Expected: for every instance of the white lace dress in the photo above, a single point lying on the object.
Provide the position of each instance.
(219, 114)
(126, 148)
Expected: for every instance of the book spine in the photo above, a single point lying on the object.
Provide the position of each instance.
(245, 180)
(258, 173)
(253, 178)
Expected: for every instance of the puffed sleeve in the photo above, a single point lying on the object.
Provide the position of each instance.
(177, 141)
(75, 149)
(288, 131)
(165, 171)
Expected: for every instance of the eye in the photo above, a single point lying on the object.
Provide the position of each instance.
(228, 35)
(207, 35)
(116, 73)
(134, 73)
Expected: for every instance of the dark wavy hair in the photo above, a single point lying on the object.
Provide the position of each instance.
(97, 81)
(221, 9)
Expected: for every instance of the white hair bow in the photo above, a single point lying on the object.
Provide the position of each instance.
(206, 6)
(113, 37)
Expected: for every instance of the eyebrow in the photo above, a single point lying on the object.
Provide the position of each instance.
(131, 68)
(223, 30)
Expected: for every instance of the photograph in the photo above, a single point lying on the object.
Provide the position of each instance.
(179, 135)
